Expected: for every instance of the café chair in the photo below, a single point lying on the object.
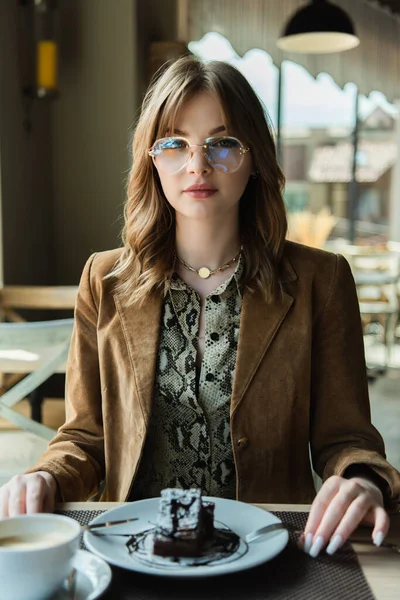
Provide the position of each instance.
(39, 347)
(377, 278)
(31, 352)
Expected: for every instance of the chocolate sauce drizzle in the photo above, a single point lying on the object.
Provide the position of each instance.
(225, 546)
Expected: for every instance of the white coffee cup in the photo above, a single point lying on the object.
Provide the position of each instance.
(36, 553)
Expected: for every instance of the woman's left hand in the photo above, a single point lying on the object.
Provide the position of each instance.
(339, 507)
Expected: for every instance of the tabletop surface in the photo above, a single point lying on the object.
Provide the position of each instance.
(381, 567)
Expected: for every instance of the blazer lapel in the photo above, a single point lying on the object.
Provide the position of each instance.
(260, 322)
(141, 329)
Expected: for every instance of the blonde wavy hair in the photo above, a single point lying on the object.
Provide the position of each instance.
(148, 236)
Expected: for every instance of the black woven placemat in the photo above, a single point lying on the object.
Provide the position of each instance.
(292, 575)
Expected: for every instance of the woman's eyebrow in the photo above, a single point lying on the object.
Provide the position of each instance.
(217, 129)
(211, 132)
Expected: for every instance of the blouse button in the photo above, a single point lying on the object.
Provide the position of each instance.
(243, 442)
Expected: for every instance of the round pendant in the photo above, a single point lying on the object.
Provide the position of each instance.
(204, 272)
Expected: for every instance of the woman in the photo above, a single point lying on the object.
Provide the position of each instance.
(208, 351)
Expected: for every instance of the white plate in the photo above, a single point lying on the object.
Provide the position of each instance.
(93, 576)
(240, 517)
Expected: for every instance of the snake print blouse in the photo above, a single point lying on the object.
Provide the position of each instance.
(188, 443)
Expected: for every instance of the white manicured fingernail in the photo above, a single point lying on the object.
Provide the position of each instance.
(334, 544)
(308, 543)
(317, 546)
(378, 539)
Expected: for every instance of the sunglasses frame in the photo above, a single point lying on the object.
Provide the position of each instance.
(204, 146)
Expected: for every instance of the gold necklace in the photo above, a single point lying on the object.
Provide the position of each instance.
(205, 272)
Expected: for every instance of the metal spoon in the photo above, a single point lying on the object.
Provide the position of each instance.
(68, 588)
(71, 584)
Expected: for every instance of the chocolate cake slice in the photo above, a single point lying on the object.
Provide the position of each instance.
(184, 523)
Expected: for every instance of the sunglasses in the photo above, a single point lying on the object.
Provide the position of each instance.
(223, 153)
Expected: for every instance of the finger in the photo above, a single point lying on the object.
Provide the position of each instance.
(381, 525)
(350, 521)
(4, 499)
(49, 499)
(36, 489)
(16, 502)
(321, 502)
(351, 497)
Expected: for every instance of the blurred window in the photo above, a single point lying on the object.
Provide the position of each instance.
(318, 119)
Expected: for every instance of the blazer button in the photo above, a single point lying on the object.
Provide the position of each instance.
(243, 442)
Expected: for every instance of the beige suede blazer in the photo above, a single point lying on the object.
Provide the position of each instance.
(300, 379)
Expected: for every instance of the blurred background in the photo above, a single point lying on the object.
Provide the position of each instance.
(72, 77)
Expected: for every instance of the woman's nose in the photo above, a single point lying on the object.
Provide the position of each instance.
(198, 162)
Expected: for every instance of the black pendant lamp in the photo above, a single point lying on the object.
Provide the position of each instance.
(319, 28)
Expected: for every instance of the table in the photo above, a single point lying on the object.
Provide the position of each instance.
(381, 567)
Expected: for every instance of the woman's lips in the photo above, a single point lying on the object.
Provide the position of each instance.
(200, 191)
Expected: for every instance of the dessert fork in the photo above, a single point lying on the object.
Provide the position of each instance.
(259, 535)
(92, 526)
(255, 536)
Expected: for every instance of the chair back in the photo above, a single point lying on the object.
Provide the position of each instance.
(377, 276)
(36, 335)
(16, 297)
(39, 348)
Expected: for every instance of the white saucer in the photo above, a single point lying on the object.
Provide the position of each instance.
(93, 576)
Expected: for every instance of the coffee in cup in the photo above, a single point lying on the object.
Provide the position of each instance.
(36, 553)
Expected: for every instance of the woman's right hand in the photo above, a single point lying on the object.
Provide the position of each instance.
(27, 494)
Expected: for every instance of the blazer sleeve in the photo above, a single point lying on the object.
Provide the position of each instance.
(341, 430)
(75, 456)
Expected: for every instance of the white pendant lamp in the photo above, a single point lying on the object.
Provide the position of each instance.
(319, 28)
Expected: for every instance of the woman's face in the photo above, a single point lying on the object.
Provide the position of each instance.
(199, 191)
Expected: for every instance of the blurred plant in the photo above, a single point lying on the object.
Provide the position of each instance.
(311, 229)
